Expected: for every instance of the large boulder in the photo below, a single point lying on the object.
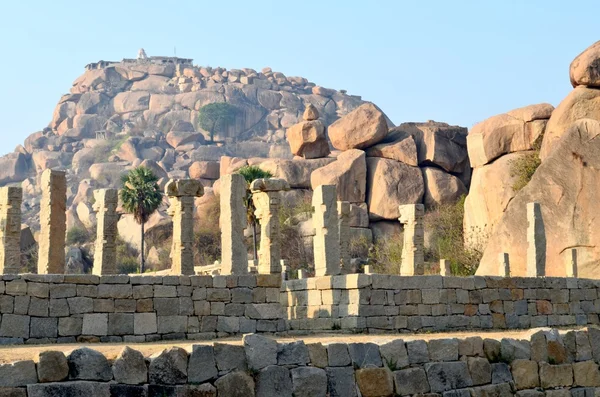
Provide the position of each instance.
(389, 184)
(180, 138)
(13, 168)
(348, 172)
(45, 159)
(505, 133)
(156, 169)
(491, 191)
(585, 68)
(131, 101)
(399, 146)
(441, 187)
(204, 170)
(565, 187)
(108, 174)
(438, 143)
(296, 172)
(581, 103)
(307, 139)
(359, 129)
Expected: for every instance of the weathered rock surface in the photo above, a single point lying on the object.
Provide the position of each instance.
(297, 172)
(52, 366)
(505, 133)
(169, 367)
(130, 367)
(348, 172)
(389, 184)
(581, 103)
(399, 146)
(359, 129)
(437, 143)
(307, 139)
(491, 192)
(440, 187)
(565, 188)
(585, 68)
(88, 364)
(13, 168)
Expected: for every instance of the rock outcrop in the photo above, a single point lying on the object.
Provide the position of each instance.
(360, 129)
(565, 187)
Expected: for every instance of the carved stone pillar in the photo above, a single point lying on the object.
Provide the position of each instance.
(10, 229)
(343, 209)
(411, 216)
(536, 241)
(182, 193)
(53, 222)
(233, 220)
(267, 199)
(326, 241)
(105, 255)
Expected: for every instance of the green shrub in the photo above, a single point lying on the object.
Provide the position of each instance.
(523, 168)
(445, 223)
(128, 265)
(77, 236)
(386, 254)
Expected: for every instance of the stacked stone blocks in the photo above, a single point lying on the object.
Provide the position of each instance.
(119, 308)
(549, 364)
(384, 303)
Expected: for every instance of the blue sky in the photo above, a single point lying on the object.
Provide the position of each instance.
(454, 61)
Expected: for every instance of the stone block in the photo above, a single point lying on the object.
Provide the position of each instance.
(52, 366)
(365, 355)
(16, 287)
(80, 305)
(443, 349)
(293, 353)
(43, 327)
(120, 324)
(95, 324)
(202, 366)
(130, 367)
(70, 326)
(274, 381)
(448, 376)
(480, 370)
(104, 305)
(341, 382)
(338, 355)
(235, 384)
(39, 290)
(169, 367)
(116, 291)
(552, 376)
(15, 326)
(88, 389)
(119, 390)
(63, 291)
(471, 346)
(125, 305)
(512, 349)
(230, 325)
(318, 355)
(260, 351)
(21, 304)
(501, 373)
(172, 324)
(375, 382)
(417, 352)
(229, 357)
(19, 373)
(525, 374)
(88, 364)
(394, 354)
(586, 374)
(309, 382)
(166, 306)
(411, 381)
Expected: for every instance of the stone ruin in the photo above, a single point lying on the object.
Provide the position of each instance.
(330, 218)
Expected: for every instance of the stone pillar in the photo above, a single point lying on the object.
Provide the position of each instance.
(445, 269)
(267, 199)
(411, 216)
(285, 268)
(10, 229)
(367, 269)
(572, 262)
(182, 193)
(343, 209)
(233, 221)
(302, 274)
(504, 263)
(53, 222)
(105, 254)
(326, 241)
(536, 242)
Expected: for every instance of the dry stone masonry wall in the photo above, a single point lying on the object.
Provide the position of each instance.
(115, 308)
(550, 364)
(384, 303)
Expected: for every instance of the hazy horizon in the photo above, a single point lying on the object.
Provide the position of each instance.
(434, 60)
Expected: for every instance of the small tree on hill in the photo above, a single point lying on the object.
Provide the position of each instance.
(141, 197)
(216, 117)
(250, 174)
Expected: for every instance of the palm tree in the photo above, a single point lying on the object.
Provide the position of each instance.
(141, 197)
(250, 174)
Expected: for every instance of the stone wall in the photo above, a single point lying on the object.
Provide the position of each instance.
(384, 303)
(88, 308)
(549, 364)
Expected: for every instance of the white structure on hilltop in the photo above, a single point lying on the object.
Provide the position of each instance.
(142, 55)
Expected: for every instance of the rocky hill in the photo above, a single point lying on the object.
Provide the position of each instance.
(119, 115)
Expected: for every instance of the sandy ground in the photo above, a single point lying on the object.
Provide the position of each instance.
(111, 350)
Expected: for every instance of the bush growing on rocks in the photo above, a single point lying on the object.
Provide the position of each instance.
(77, 236)
(523, 169)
